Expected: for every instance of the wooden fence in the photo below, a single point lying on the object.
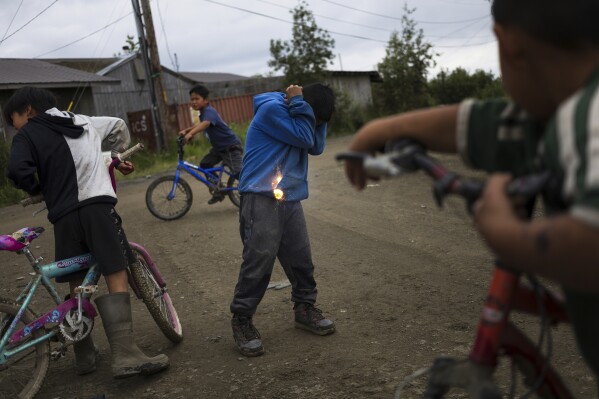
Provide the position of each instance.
(238, 109)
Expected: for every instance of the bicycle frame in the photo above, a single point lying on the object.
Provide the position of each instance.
(497, 336)
(192, 169)
(43, 275)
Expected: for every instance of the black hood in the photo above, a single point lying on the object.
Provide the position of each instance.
(58, 124)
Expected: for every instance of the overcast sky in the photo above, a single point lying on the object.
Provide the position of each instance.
(234, 35)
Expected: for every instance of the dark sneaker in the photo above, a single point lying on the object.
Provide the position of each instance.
(217, 197)
(309, 318)
(246, 336)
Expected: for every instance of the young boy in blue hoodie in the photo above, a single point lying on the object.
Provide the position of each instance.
(286, 129)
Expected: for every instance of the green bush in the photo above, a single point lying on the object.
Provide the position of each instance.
(8, 193)
(348, 117)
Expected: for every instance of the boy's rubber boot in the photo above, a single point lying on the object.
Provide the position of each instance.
(127, 359)
(85, 356)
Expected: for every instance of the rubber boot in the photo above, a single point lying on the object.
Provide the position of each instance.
(85, 356)
(127, 359)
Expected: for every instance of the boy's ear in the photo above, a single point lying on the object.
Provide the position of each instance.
(30, 112)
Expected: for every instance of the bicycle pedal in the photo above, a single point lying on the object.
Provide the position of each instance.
(86, 289)
(57, 354)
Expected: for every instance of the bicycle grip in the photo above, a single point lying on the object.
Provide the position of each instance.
(529, 185)
(34, 199)
(128, 153)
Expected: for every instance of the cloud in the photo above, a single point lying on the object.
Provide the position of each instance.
(211, 37)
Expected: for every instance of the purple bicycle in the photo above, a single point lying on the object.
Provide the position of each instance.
(28, 341)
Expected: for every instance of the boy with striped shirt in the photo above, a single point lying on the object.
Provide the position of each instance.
(549, 57)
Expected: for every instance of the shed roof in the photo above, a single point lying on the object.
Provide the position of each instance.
(211, 77)
(373, 75)
(92, 65)
(17, 72)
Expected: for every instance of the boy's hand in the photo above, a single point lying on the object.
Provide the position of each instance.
(292, 91)
(494, 208)
(125, 167)
(186, 135)
(354, 170)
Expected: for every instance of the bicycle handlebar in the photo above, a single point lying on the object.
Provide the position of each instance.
(406, 156)
(34, 199)
(121, 158)
(128, 153)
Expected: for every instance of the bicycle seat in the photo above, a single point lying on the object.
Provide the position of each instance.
(19, 239)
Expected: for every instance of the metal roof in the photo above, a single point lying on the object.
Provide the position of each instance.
(373, 75)
(91, 65)
(116, 64)
(18, 72)
(211, 77)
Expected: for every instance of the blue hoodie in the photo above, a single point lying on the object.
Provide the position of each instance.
(278, 142)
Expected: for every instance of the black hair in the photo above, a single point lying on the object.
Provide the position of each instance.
(322, 100)
(40, 100)
(200, 91)
(570, 24)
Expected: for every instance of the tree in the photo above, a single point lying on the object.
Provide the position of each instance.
(131, 46)
(452, 87)
(404, 69)
(307, 55)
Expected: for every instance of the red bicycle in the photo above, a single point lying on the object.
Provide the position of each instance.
(496, 335)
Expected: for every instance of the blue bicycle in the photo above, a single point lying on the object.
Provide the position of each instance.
(170, 197)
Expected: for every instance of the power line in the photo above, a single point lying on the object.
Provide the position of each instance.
(85, 37)
(12, 20)
(289, 22)
(399, 18)
(472, 22)
(28, 22)
(90, 68)
(330, 18)
(168, 50)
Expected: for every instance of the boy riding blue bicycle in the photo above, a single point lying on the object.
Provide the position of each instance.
(226, 146)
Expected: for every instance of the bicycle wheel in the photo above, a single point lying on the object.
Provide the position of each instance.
(233, 194)
(155, 295)
(161, 206)
(23, 374)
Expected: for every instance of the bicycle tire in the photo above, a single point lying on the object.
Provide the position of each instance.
(155, 297)
(160, 206)
(233, 194)
(33, 378)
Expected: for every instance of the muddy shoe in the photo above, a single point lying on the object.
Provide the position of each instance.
(86, 354)
(217, 197)
(246, 336)
(309, 318)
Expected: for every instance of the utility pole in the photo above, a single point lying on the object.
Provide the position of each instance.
(143, 45)
(152, 69)
(159, 89)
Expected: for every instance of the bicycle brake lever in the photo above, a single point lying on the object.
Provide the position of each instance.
(382, 166)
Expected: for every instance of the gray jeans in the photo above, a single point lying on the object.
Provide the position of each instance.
(231, 157)
(272, 229)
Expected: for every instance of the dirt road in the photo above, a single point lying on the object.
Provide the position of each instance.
(403, 280)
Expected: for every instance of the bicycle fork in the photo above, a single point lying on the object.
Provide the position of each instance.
(475, 374)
